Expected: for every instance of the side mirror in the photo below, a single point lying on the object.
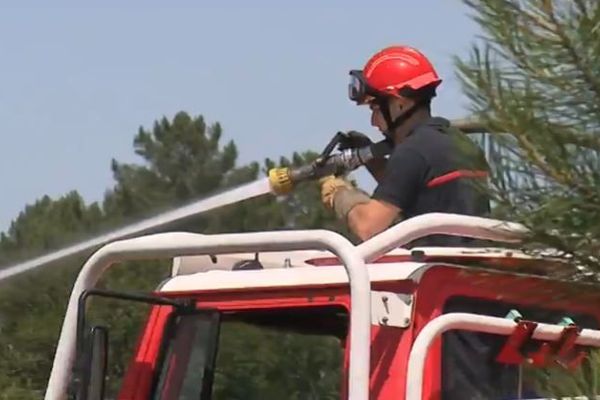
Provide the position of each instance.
(92, 365)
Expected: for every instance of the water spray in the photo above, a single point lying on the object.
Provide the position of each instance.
(280, 181)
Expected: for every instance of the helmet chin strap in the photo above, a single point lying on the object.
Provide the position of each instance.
(392, 125)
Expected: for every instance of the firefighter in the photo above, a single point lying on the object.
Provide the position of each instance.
(431, 167)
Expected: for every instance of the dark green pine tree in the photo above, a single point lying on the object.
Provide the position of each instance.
(32, 305)
(534, 83)
(182, 160)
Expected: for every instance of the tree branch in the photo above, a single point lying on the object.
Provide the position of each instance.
(472, 125)
(566, 41)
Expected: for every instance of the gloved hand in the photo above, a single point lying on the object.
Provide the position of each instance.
(340, 195)
(353, 140)
(329, 186)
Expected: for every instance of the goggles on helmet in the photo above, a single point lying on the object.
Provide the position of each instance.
(358, 90)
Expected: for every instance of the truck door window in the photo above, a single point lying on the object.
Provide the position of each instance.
(289, 354)
(188, 360)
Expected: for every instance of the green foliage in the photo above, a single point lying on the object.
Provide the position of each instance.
(534, 82)
(557, 382)
(250, 366)
(31, 305)
(182, 160)
(48, 224)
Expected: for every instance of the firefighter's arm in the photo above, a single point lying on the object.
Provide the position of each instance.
(365, 216)
(366, 220)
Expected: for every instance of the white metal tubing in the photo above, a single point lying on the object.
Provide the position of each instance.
(181, 244)
(442, 224)
(477, 323)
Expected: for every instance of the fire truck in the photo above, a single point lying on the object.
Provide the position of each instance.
(410, 323)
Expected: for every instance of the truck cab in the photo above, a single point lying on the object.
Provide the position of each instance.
(382, 322)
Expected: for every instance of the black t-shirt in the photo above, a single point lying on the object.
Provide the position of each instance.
(435, 169)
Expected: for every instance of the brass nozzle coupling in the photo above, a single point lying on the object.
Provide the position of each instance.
(280, 180)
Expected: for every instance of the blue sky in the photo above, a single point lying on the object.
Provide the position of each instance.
(77, 82)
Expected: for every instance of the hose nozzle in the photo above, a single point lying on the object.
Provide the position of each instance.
(283, 180)
(280, 180)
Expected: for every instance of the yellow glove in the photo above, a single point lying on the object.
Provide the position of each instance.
(329, 186)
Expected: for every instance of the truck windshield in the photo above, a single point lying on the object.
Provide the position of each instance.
(291, 353)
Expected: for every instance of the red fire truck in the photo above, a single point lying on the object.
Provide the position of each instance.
(418, 323)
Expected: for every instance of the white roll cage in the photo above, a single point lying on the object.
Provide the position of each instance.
(476, 323)
(177, 244)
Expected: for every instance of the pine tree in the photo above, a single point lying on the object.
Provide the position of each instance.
(533, 81)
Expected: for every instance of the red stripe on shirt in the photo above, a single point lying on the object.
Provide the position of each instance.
(451, 176)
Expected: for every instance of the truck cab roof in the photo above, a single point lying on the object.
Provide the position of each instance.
(317, 268)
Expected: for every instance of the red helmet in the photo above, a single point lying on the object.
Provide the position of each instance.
(390, 72)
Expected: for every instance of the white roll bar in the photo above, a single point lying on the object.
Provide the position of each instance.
(440, 224)
(170, 245)
(477, 323)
